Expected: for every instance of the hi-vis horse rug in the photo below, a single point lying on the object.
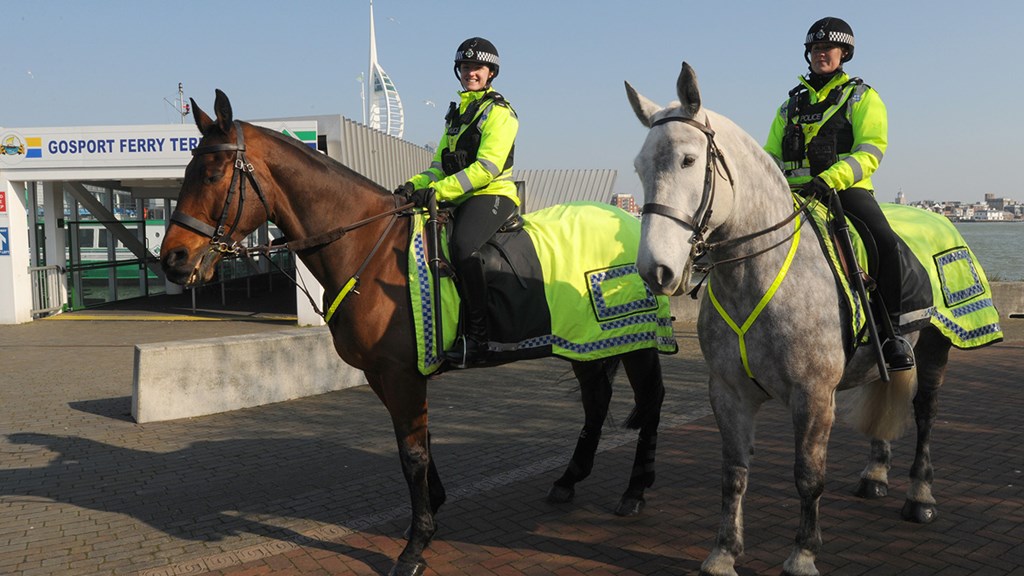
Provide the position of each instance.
(565, 285)
(943, 284)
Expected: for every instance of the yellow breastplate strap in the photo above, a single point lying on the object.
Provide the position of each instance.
(741, 331)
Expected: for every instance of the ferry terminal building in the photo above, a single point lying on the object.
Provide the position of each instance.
(56, 181)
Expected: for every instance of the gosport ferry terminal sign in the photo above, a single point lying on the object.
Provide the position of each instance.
(156, 145)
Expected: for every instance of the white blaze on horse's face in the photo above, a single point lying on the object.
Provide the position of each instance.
(672, 166)
(667, 166)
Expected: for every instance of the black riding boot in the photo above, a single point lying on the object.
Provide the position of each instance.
(897, 351)
(471, 346)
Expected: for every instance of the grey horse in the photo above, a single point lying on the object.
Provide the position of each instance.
(771, 321)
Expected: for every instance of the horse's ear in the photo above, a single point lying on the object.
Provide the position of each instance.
(686, 88)
(642, 107)
(222, 106)
(203, 120)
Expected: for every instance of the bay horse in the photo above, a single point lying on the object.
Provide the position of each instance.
(309, 196)
(710, 188)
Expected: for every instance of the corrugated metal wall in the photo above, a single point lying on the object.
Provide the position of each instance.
(386, 160)
(543, 188)
(390, 161)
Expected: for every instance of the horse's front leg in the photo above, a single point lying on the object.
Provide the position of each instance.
(813, 417)
(643, 368)
(932, 353)
(595, 378)
(735, 410)
(406, 401)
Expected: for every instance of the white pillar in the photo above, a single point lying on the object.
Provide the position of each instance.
(305, 313)
(15, 281)
(56, 235)
(170, 288)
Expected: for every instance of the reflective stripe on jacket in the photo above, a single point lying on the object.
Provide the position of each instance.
(861, 111)
(489, 173)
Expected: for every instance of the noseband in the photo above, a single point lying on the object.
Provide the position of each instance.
(242, 165)
(699, 221)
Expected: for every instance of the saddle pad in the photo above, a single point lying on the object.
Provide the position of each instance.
(596, 301)
(956, 297)
(962, 307)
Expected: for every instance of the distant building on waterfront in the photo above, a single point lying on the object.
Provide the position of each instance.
(627, 203)
(998, 203)
(989, 215)
(992, 209)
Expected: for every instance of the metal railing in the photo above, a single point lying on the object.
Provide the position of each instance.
(48, 293)
(238, 270)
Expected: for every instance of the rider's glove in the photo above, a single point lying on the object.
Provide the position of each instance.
(816, 188)
(421, 197)
(405, 190)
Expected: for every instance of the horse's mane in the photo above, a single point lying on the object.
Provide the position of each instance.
(738, 137)
(316, 157)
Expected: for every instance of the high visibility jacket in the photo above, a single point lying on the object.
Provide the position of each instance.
(854, 116)
(486, 140)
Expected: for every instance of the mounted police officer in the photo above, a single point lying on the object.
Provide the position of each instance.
(472, 170)
(831, 134)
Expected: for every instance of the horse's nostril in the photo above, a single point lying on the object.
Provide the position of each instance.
(175, 258)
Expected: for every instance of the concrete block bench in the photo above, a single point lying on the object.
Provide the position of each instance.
(189, 378)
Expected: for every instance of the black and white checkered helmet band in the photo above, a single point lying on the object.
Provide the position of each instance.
(829, 36)
(471, 55)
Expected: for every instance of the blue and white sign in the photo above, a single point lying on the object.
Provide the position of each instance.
(5, 242)
(115, 146)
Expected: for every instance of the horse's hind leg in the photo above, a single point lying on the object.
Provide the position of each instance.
(595, 380)
(643, 368)
(874, 479)
(932, 352)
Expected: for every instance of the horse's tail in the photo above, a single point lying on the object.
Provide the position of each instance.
(883, 409)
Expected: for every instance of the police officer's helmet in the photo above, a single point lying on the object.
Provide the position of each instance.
(832, 30)
(477, 50)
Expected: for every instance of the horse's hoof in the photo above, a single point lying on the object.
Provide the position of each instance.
(871, 489)
(629, 506)
(919, 512)
(560, 494)
(402, 568)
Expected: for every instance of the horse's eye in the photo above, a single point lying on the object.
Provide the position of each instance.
(689, 160)
(211, 178)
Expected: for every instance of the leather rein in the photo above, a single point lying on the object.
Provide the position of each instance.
(699, 221)
(243, 171)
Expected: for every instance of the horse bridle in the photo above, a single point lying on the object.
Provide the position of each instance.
(216, 234)
(699, 221)
(241, 166)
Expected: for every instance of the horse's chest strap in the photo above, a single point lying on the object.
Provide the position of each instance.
(741, 331)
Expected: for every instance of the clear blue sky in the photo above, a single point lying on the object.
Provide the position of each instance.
(949, 72)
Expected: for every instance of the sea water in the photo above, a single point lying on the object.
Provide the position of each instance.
(999, 246)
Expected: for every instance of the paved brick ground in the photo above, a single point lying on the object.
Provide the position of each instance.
(313, 486)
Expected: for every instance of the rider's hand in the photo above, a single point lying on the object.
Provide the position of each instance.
(405, 190)
(421, 197)
(816, 188)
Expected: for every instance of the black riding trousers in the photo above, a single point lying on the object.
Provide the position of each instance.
(861, 204)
